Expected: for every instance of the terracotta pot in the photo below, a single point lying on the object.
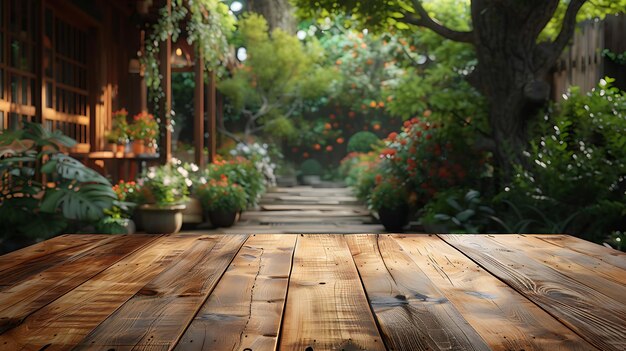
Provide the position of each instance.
(139, 147)
(112, 147)
(120, 148)
(223, 219)
(394, 219)
(161, 220)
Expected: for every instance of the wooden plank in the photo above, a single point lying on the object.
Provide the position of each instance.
(28, 296)
(505, 319)
(305, 213)
(157, 315)
(602, 253)
(595, 275)
(21, 264)
(597, 318)
(284, 207)
(326, 306)
(248, 301)
(411, 311)
(64, 322)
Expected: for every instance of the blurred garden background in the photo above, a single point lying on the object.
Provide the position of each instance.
(440, 115)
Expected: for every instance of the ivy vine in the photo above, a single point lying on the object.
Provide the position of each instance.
(208, 25)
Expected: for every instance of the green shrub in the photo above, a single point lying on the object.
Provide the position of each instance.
(362, 142)
(574, 179)
(311, 167)
(460, 210)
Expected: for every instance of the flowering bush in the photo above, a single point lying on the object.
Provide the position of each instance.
(431, 158)
(221, 195)
(241, 171)
(259, 154)
(165, 185)
(144, 127)
(389, 194)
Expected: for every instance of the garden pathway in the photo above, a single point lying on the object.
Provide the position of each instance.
(304, 209)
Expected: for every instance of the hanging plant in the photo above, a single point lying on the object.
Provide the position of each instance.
(208, 25)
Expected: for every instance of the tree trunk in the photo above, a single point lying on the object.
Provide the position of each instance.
(278, 13)
(508, 74)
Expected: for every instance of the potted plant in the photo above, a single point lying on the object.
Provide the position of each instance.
(73, 198)
(311, 172)
(223, 200)
(143, 131)
(164, 191)
(118, 135)
(390, 200)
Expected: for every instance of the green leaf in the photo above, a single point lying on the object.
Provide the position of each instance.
(87, 203)
(465, 215)
(72, 169)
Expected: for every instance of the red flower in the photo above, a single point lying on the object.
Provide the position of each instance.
(379, 178)
(392, 136)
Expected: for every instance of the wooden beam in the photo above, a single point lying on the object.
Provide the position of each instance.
(211, 118)
(166, 103)
(198, 108)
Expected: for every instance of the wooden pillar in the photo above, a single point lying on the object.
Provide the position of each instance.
(198, 108)
(211, 125)
(166, 102)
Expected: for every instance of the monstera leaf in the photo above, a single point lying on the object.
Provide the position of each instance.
(71, 169)
(85, 202)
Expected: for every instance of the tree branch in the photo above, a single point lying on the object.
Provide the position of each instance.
(553, 50)
(424, 20)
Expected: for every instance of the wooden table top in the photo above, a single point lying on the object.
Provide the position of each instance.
(313, 292)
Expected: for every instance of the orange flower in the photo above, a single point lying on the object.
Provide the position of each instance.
(376, 126)
(305, 155)
(427, 113)
(381, 104)
(329, 148)
(373, 104)
(327, 126)
(317, 147)
(340, 140)
(338, 62)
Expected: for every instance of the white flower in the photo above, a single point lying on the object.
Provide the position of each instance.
(233, 152)
(246, 149)
(188, 182)
(183, 172)
(202, 180)
(194, 167)
(167, 181)
(151, 174)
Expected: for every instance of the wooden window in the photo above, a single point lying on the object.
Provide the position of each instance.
(65, 84)
(61, 59)
(18, 42)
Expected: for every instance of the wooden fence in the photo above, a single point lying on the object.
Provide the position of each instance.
(582, 63)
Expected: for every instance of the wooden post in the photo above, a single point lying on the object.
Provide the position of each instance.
(166, 102)
(198, 108)
(211, 125)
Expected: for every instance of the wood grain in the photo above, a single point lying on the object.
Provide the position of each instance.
(248, 302)
(505, 319)
(18, 265)
(602, 253)
(411, 311)
(326, 306)
(27, 296)
(594, 316)
(157, 315)
(609, 281)
(64, 322)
